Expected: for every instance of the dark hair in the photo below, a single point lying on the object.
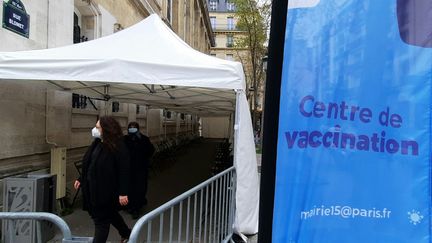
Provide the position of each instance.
(111, 132)
(133, 124)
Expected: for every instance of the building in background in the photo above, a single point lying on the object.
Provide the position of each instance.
(226, 32)
(223, 23)
(36, 115)
(189, 19)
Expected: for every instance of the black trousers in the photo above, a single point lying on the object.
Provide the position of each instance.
(102, 226)
(138, 190)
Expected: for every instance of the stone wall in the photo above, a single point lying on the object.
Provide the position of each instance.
(38, 115)
(51, 25)
(215, 127)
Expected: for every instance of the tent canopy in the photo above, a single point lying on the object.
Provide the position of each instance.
(194, 100)
(147, 53)
(149, 64)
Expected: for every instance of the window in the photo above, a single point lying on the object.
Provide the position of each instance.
(169, 7)
(76, 30)
(230, 22)
(213, 55)
(230, 57)
(230, 5)
(115, 106)
(213, 5)
(79, 101)
(213, 22)
(85, 22)
(77, 37)
(230, 41)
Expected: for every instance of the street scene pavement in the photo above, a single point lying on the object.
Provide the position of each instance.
(192, 165)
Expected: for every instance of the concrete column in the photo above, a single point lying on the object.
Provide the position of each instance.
(154, 124)
(132, 115)
(176, 16)
(178, 120)
(180, 10)
(187, 21)
(197, 25)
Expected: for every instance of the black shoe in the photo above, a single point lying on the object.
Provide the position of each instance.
(237, 239)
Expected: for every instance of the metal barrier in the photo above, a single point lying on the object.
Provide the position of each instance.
(215, 199)
(67, 235)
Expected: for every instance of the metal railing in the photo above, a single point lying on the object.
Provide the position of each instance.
(207, 216)
(225, 27)
(39, 216)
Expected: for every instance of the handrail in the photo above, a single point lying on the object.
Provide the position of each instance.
(136, 229)
(67, 235)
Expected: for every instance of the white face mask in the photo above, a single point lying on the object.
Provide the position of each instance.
(133, 130)
(96, 133)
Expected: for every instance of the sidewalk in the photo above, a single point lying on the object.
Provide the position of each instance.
(254, 239)
(191, 168)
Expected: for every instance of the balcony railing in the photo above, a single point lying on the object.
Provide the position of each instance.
(225, 27)
(218, 7)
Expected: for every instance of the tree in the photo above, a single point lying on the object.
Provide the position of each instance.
(253, 19)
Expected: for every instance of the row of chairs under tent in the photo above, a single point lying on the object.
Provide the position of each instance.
(224, 157)
(165, 153)
(168, 149)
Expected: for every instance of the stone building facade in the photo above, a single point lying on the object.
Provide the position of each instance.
(223, 21)
(37, 116)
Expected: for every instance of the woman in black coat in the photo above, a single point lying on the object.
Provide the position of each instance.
(105, 179)
(140, 150)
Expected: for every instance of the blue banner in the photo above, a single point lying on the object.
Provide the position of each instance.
(354, 149)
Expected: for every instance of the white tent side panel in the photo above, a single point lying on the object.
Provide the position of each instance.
(247, 196)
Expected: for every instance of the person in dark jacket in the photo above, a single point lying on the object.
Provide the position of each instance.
(105, 179)
(140, 150)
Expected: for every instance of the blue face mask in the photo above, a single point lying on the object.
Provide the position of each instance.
(133, 130)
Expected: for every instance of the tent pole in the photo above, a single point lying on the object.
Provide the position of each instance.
(236, 124)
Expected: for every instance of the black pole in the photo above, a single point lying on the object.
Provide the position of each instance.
(271, 118)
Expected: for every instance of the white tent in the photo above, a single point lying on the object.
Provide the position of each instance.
(148, 63)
